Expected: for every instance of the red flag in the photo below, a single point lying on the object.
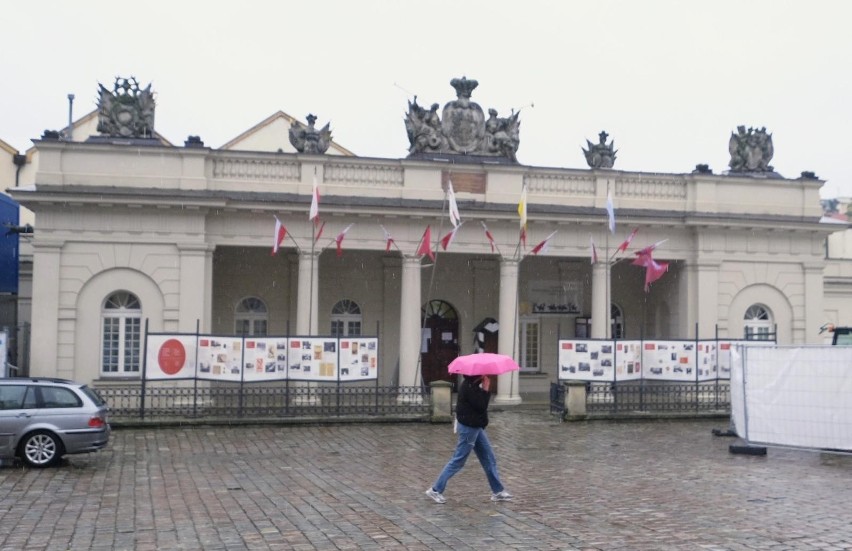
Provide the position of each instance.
(425, 246)
(653, 271)
(448, 239)
(542, 247)
(388, 238)
(650, 248)
(280, 233)
(315, 197)
(623, 247)
(489, 236)
(321, 227)
(339, 239)
(594, 251)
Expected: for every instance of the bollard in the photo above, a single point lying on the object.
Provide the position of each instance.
(442, 408)
(575, 400)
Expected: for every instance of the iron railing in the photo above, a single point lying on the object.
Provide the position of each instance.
(256, 402)
(653, 397)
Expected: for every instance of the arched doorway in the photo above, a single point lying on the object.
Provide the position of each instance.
(439, 342)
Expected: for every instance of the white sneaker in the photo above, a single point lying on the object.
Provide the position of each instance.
(436, 496)
(502, 496)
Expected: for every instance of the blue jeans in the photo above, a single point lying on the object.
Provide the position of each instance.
(471, 438)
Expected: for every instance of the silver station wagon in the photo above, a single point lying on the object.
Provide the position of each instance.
(42, 419)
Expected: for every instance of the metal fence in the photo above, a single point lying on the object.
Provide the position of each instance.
(255, 402)
(648, 397)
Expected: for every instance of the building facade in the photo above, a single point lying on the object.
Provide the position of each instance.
(141, 233)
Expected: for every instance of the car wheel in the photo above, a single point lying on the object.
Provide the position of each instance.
(41, 449)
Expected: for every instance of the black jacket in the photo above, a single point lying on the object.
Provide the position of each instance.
(472, 403)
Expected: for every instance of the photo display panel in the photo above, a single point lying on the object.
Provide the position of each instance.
(312, 359)
(586, 360)
(170, 357)
(359, 359)
(220, 358)
(265, 359)
(669, 360)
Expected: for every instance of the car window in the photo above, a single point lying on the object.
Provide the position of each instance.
(59, 397)
(31, 400)
(12, 396)
(93, 395)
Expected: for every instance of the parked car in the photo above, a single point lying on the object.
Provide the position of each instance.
(42, 419)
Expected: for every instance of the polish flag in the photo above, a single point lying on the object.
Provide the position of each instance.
(455, 218)
(321, 227)
(653, 271)
(280, 234)
(522, 212)
(647, 250)
(315, 197)
(489, 236)
(623, 247)
(448, 239)
(594, 251)
(339, 239)
(544, 245)
(425, 246)
(388, 238)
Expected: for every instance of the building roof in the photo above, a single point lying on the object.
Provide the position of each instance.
(272, 134)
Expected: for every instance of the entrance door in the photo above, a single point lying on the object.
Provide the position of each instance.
(440, 341)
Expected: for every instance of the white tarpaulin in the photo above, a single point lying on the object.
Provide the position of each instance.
(793, 396)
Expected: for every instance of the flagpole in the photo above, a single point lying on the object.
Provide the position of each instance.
(311, 293)
(608, 310)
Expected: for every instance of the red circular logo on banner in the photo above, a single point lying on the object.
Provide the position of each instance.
(172, 357)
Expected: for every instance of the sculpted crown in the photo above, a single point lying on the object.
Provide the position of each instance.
(464, 87)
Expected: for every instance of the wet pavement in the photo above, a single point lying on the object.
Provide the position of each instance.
(639, 485)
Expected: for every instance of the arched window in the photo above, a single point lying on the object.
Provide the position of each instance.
(250, 317)
(346, 319)
(121, 332)
(758, 323)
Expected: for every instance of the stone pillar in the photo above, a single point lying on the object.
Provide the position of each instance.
(196, 282)
(409, 327)
(600, 306)
(508, 383)
(814, 313)
(308, 294)
(44, 349)
(442, 410)
(575, 400)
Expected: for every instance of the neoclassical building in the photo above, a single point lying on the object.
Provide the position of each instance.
(133, 231)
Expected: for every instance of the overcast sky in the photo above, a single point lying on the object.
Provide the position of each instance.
(669, 80)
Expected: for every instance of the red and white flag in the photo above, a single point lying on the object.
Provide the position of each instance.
(544, 245)
(489, 236)
(594, 251)
(650, 248)
(425, 246)
(653, 271)
(623, 247)
(321, 227)
(280, 234)
(388, 238)
(448, 239)
(455, 218)
(339, 239)
(315, 197)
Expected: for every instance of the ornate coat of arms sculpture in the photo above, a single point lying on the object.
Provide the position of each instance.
(127, 111)
(750, 150)
(600, 155)
(462, 128)
(307, 139)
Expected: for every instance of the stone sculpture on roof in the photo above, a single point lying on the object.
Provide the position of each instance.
(750, 150)
(462, 128)
(307, 139)
(600, 155)
(127, 111)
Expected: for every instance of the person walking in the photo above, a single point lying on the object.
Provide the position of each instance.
(472, 418)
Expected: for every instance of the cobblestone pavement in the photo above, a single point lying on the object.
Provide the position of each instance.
(598, 485)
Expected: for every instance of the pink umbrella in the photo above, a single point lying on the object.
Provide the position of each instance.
(483, 364)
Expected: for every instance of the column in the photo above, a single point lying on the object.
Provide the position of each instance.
(814, 313)
(409, 327)
(44, 351)
(600, 304)
(196, 282)
(308, 293)
(508, 383)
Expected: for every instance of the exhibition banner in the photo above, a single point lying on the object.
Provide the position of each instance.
(661, 360)
(258, 359)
